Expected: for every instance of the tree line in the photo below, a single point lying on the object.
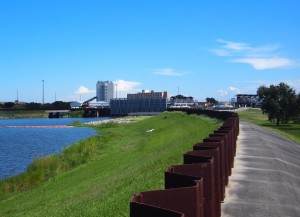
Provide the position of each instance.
(280, 102)
(59, 105)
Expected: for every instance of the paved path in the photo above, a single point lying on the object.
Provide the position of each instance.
(265, 180)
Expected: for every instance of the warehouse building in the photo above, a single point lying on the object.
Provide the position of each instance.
(141, 103)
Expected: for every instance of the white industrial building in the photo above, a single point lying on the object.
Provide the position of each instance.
(105, 90)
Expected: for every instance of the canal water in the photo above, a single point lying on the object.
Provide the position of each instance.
(19, 146)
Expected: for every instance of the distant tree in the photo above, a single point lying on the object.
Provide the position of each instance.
(61, 105)
(298, 103)
(297, 109)
(8, 105)
(278, 102)
(33, 106)
(212, 101)
(47, 106)
(19, 106)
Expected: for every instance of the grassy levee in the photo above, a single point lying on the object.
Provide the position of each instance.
(255, 116)
(130, 160)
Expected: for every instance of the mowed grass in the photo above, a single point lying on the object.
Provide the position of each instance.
(130, 160)
(256, 116)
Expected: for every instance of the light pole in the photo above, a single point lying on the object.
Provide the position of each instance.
(43, 90)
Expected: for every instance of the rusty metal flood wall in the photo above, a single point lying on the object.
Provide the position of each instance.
(197, 187)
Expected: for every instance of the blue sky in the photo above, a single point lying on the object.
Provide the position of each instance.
(197, 48)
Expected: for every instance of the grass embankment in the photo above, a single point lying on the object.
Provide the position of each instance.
(256, 116)
(23, 114)
(129, 160)
(35, 114)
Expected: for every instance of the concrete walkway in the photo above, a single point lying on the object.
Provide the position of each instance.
(265, 180)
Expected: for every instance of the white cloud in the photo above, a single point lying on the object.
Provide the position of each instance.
(84, 90)
(167, 72)
(126, 85)
(222, 92)
(265, 63)
(83, 93)
(235, 90)
(123, 87)
(260, 58)
(229, 90)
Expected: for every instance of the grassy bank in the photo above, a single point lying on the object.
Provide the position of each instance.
(35, 114)
(128, 160)
(23, 114)
(256, 116)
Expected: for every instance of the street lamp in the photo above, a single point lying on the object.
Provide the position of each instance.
(43, 90)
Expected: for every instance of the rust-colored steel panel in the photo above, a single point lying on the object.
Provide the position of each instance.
(210, 151)
(178, 176)
(174, 200)
(233, 135)
(220, 163)
(225, 154)
(207, 172)
(224, 137)
(214, 154)
(230, 143)
(138, 209)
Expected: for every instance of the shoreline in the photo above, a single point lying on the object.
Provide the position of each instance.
(118, 120)
(50, 126)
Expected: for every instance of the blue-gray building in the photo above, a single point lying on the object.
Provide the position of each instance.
(124, 106)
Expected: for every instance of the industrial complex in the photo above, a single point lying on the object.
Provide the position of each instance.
(145, 102)
(150, 102)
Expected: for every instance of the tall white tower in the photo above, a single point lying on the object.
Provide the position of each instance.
(105, 90)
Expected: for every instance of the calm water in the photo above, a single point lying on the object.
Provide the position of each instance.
(19, 146)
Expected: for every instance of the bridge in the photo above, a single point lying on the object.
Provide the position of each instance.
(56, 113)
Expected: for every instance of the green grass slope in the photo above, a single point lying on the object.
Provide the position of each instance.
(255, 116)
(130, 160)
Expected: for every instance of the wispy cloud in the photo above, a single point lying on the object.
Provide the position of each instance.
(265, 63)
(234, 46)
(260, 58)
(168, 72)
